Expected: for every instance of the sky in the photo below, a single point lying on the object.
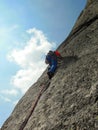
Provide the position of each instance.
(28, 29)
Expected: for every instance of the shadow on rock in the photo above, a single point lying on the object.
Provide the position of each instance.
(68, 60)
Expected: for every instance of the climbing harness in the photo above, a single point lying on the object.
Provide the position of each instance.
(43, 88)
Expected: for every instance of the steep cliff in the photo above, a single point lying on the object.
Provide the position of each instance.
(71, 100)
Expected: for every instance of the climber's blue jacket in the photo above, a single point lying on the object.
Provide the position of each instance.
(52, 61)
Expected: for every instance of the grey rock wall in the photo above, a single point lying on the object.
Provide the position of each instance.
(71, 100)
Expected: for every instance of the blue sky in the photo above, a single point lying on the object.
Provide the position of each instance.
(28, 29)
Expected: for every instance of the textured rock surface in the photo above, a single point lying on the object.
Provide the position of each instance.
(71, 100)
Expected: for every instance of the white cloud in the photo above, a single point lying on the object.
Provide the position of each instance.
(14, 27)
(30, 59)
(12, 92)
(4, 31)
(7, 35)
(5, 98)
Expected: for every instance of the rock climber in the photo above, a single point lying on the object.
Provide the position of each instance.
(51, 59)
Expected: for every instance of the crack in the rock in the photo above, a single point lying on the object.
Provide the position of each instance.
(85, 24)
(78, 29)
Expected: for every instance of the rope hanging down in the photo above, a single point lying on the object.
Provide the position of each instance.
(44, 87)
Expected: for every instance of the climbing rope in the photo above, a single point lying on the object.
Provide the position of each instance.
(43, 88)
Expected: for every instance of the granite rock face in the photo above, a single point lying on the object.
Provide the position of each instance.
(71, 100)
